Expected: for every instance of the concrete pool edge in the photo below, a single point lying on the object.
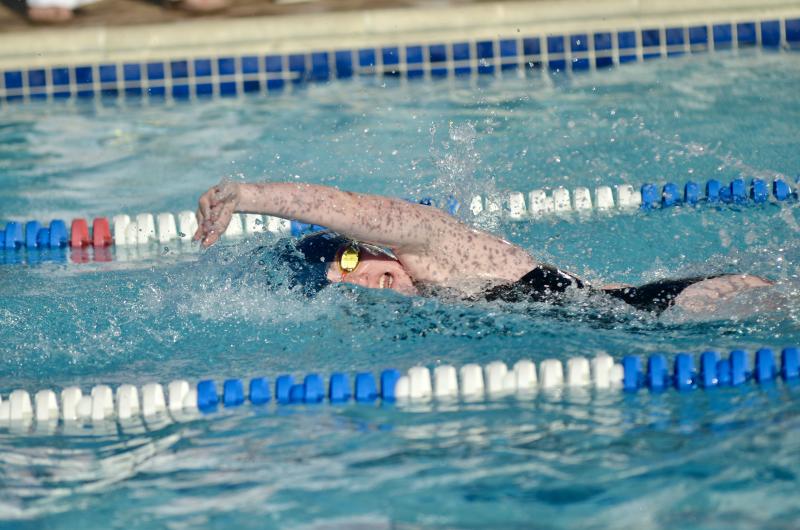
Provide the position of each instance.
(304, 33)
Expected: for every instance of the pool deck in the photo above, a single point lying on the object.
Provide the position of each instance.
(120, 30)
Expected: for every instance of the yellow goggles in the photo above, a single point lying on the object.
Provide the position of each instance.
(349, 258)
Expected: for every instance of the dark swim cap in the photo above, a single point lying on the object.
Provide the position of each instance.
(315, 252)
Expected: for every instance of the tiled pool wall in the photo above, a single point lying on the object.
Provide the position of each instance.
(515, 56)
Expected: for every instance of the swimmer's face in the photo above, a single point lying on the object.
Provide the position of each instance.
(374, 270)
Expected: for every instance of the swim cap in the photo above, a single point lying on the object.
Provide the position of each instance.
(315, 252)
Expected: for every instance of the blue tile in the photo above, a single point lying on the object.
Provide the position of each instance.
(132, 72)
(391, 56)
(770, 33)
(746, 34)
(203, 89)
(485, 52)
(651, 37)
(180, 91)
(391, 60)
(626, 39)
(275, 85)
(108, 73)
(60, 78)
(226, 66)
(580, 64)
(507, 67)
(37, 78)
(602, 42)
(83, 75)
(484, 49)
(675, 40)
(626, 42)
(179, 70)
(698, 38)
(228, 89)
(297, 66)
(579, 43)
(508, 48)
(202, 67)
(250, 65)
(723, 36)
(320, 69)
(555, 48)
(414, 55)
(344, 64)
(461, 52)
(414, 60)
(13, 80)
(366, 58)
(604, 62)
(274, 63)
(531, 46)
(675, 37)
(438, 53)
(133, 91)
(251, 85)
(793, 31)
(555, 44)
(156, 92)
(155, 71)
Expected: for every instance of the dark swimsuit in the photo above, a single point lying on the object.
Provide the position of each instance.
(546, 283)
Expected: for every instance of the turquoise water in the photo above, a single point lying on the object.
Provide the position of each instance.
(717, 459)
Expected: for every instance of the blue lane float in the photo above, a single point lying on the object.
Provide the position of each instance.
(715, 372)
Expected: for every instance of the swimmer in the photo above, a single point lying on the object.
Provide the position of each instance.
(385, 243)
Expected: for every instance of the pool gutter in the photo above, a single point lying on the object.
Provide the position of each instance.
(351, 30)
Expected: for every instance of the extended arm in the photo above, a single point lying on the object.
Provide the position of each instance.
(431, 244)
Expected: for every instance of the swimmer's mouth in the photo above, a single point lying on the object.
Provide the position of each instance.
(386, 281)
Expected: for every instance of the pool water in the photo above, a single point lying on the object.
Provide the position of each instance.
(725, 458)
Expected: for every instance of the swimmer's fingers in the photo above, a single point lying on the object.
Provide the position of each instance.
(203, 213)
(217, 223)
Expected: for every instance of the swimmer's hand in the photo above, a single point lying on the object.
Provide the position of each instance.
(214, 211)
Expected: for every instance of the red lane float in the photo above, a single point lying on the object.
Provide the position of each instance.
(79, 233)
(101, 233)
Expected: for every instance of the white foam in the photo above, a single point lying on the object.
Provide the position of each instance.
(476, 205)
(253, 223)
(419, 378)
(551, 373)
(578, 373)
(102, 402)
(46, 405)
(603, 198)
(561, 201)
(525, 375)
(177, 391)
(581, 199)
(187, 225)
(627, 197)
(20, 403)
(167, 231)
(276, 225)
(69, 403)
(446, 382)
(127, 401)
(471, 381)
(146, 228)
(601, 370)
(494, 374)
(153, 399)
(516, 205)
(120, 224)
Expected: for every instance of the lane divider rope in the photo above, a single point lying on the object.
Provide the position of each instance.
(418, 384)
(145, 228)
